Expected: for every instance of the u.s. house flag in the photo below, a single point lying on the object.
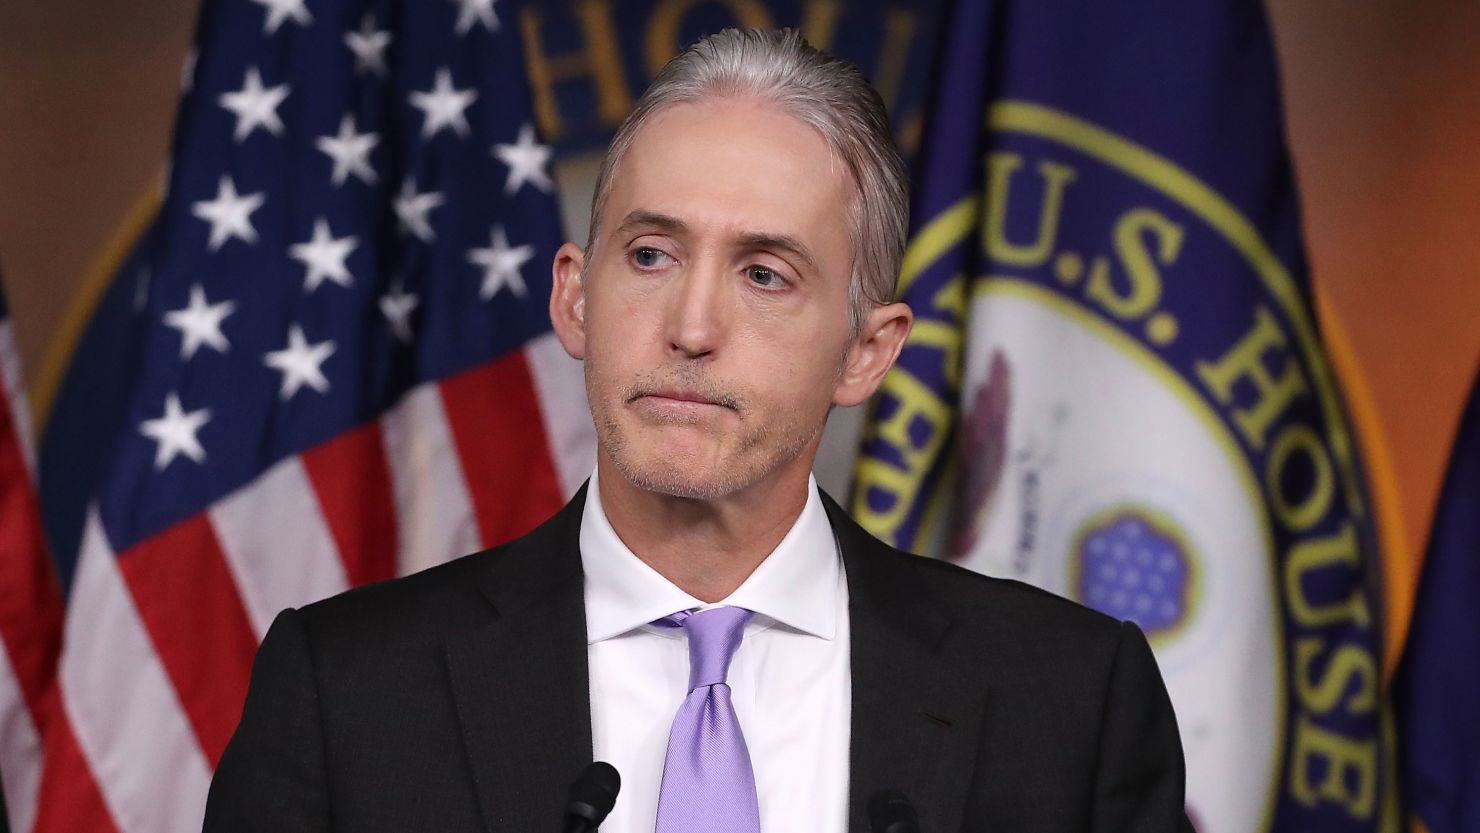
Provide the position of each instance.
(1115, 388)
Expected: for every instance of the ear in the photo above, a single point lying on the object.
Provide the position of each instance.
(568, 300)
(873, 353)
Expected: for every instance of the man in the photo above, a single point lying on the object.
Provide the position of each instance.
(700, 615)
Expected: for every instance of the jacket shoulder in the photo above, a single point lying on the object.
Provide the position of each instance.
(455, 596)
(434, 598)
(988, 601)
(989, 609)
(1039, 652)
(993, 622)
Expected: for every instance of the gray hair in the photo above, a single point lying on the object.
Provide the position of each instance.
(829, 94)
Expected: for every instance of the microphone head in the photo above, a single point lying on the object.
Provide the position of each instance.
(890, 812)
(594, 793)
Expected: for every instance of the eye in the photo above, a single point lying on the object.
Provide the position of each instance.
(647, 257)
(764, 276)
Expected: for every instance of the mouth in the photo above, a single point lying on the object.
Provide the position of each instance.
(682, 400)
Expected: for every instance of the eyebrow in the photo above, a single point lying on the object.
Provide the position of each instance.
(778, 242)
(643, 219)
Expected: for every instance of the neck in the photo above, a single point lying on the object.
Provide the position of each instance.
(707, 548)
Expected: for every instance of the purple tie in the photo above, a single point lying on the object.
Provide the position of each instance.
(708, 784)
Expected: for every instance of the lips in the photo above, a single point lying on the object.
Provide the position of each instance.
(684, 396)
(676, 400)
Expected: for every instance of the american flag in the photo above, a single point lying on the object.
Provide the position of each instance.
(30, 601)
(348, 374)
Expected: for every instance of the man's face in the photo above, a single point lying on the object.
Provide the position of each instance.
(715, 309)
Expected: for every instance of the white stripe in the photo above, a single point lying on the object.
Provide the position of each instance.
(560, 388)
(20, 750)
(128, 720)
(277, 544)
(15, 394)
(433, 509)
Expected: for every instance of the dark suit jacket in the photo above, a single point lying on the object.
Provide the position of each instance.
(456, 699)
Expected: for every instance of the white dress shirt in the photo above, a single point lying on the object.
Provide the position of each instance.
(790, 678)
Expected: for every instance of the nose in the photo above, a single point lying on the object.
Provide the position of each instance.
(696, 316)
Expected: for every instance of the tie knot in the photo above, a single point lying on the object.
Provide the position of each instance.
(714, 635)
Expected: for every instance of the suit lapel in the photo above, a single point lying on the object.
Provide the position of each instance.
(520, 682)
(915, 724)
(916, 720)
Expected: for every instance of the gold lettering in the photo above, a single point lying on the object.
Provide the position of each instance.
(915, 402)
(1246, 361)
(1144, 292)
(900, 486)
(944, 337)
(951, 300)
(1315, 554)
(662, 37)
(1350, 662)
(601, 62)
(1305, 513)
(1342, 757)
(1056, 178)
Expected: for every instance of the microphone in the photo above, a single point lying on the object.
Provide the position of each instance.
(890, 812)
(592, 795)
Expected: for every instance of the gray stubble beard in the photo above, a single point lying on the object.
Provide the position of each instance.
(663, 477)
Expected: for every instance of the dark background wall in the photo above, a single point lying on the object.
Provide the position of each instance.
(1383, 98)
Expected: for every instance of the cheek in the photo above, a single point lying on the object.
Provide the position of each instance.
(801, 365)
(612, 324)
(620, 318)
(605, 360)
(803, 336)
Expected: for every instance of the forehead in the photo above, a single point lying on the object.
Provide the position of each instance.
(733, 166)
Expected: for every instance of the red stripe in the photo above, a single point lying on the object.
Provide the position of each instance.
(30, 601)
(352, 479)
(495, 419)
(69, 800)
(184, 590)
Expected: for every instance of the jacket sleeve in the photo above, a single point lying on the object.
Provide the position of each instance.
(271, 776)
(1140, 777)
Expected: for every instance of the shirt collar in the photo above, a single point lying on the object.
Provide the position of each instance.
(796, 585)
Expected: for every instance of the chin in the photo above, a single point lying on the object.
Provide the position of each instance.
(687, 461)
(675, 477)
